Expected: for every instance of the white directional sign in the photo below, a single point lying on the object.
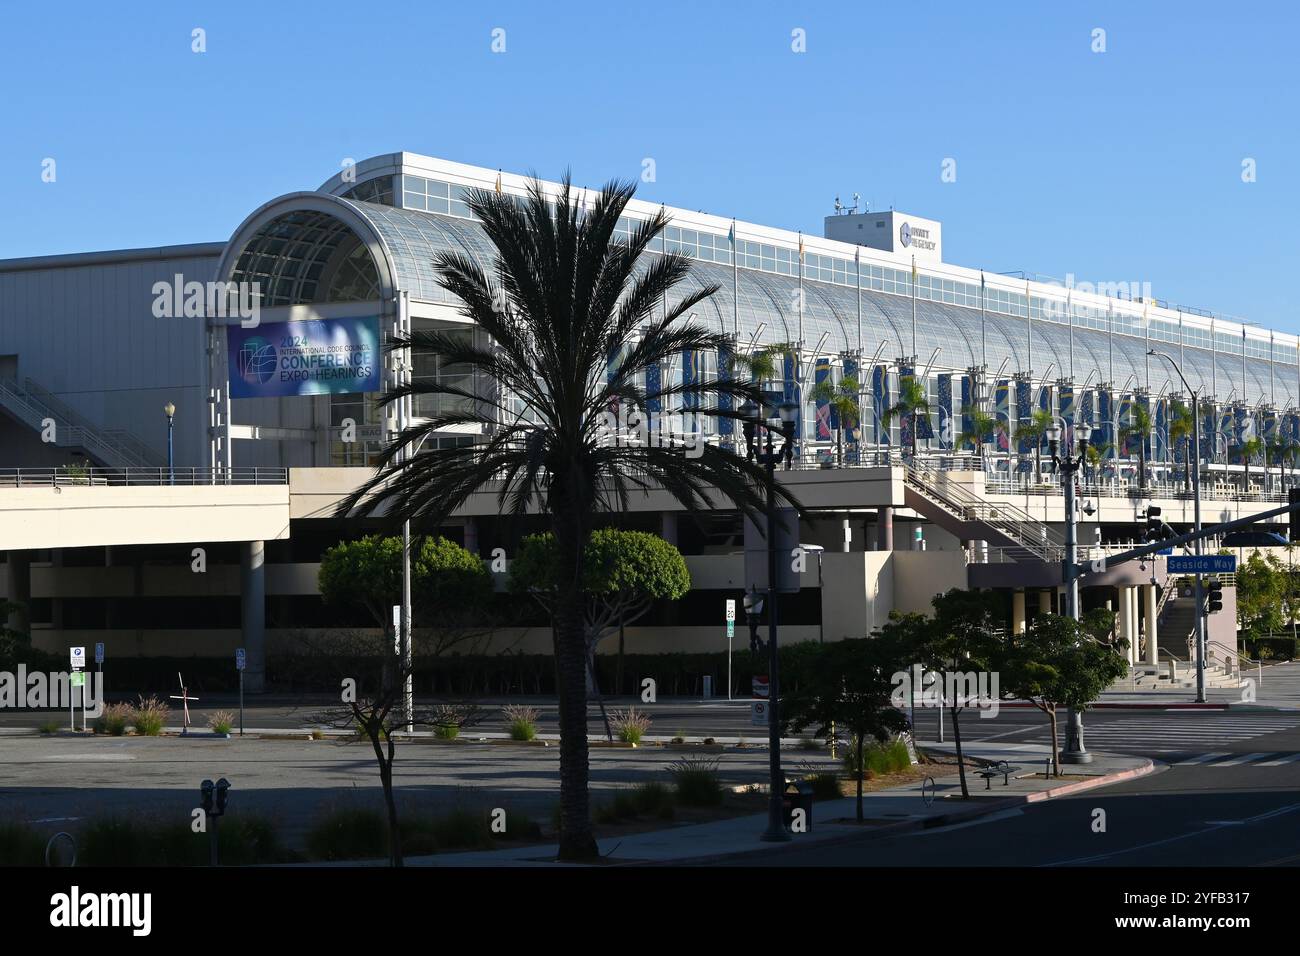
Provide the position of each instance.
(731, 609)
(78, 657)
(731, 629)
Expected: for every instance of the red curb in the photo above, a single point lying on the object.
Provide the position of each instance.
(1133, 706)
(942, 819)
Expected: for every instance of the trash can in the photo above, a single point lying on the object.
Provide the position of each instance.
(798, 796)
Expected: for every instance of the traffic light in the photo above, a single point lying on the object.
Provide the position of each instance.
(1156, 528)
(1213, 596)
(1293, 499)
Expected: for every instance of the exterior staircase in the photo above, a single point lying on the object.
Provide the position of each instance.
(110, 447)
(959, 510)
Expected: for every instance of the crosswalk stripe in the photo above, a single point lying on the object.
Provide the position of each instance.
(1244, 758)
(1290, 758)
(1201, 759)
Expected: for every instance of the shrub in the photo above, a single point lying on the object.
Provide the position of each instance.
(825, 784)
(696, 782)
(351, 833)
(50, 727)
(117, 841)
(318, 735)
(889, 757)
(114, 720)
(446, 731)
(522, 721)
(149, 716)
(654, 799)
(629, 725)
(20, 845)
(221, 722)
(462, 829)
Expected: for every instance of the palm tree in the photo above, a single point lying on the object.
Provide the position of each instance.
(843, 401)
(1139, 427)
(1096, 454)
(562, 296)
(1033, 431)
(1181, 429)
(1249, 449)
(912, 403)
(981, 425)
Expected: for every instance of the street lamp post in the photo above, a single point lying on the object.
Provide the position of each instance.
(768, 458)
(170, 411)
(1196, 519)
(1068, 467)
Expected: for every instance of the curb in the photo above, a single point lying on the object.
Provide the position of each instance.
(939, 820)
(1129, 706)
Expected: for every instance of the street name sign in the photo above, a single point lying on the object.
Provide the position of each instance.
(1202, 564)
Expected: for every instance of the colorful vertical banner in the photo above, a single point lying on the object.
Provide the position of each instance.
(1002, 413)
(690, 400)
(879, 402)
(947, 434)
(653, 386)
(726, 403)
(1208, 426)
(967, 403)
(790, 391)
(1023, 415)
(827, 419)
(1106, 420)
(1067, 409)
(1128, 446)
(1160, 436)
(851, 374)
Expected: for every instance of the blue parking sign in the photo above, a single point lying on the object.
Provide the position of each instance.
(239, 658)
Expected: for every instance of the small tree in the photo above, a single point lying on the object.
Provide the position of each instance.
(912, 403)
(1057, 663)
(1033, 431)
(843, 401)
(1181, 429)
(624, 573)
(982, 424)
(1139, 427)
(1249, 449)
(847, 687)
(1261, 596)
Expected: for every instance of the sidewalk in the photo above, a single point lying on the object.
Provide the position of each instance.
(892, 811)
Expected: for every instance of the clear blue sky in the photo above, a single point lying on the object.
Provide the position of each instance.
(1118, 166)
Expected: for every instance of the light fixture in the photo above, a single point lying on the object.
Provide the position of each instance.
(170, 409)
(788, 411)
(1084, 431)
(1053, 433)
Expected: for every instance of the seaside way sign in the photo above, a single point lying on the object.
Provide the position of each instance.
(1202, 564)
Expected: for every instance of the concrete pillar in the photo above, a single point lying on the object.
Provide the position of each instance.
(884, 529)
(1126, 618)
(1044, 601)
(847, 545)
(668, 527)
(252, 592)
(1153, 651)
(1135, 619)
(471, 535)
(18, 580)
(1018, 612)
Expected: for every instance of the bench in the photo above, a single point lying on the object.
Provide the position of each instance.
(1000, 769)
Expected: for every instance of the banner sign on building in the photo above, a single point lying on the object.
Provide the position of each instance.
(1002, 412)
(851, 376)
(315, 357)
(726, 426)
(827, 420)
(947, 435)
(879, 402)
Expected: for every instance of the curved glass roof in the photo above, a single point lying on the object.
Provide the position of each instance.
(291, 254)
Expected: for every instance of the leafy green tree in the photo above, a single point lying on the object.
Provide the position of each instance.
(1262, 596)
(1096, 455)
(624, 573)
(1138, 426)
(842, 397)
(564, 293)
(847, 689)
(912, 403)
(450, 587)
(1057, 663)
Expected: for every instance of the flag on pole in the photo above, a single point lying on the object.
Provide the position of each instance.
(913, 270)
(498, 182)
(801, 247)
(731, 233)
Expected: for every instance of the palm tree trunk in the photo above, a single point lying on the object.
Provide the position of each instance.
(576, 839)
(961, 764)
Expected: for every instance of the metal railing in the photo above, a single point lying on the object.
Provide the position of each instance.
(33, 405)
(1033, 536)
(132, 477)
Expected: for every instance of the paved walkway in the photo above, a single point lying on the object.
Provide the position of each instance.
(899, 808)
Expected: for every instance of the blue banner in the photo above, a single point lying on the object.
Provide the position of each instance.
(1106, 419)
(967, 401)
(315, 357)
(1002, 413)
(947, 434)
(879, 402)
(1023, 416)
(827, 418)
(726, 426)
(851, 375)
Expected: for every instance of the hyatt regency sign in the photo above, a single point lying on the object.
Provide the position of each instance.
(316, 357)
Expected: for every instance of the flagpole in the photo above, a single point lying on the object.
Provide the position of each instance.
(984, 342)
(857, 265)
(914, 351)
(799, 344)
(735, 285)
(1029, 314)
(1069, 317)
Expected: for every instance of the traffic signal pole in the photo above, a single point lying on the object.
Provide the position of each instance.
(1199, 591)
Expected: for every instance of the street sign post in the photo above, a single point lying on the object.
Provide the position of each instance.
(1202, 564)
(758, 713)
(240, 660)
(731, 632)
(77, 658)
